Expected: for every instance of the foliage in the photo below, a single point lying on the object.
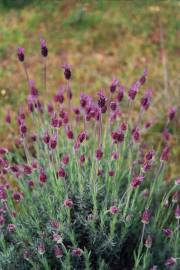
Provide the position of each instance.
(82, 189)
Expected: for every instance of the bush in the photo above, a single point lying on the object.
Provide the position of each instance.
(81, 190)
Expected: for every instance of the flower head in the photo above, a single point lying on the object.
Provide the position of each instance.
(17, 196)
(67, 71)
(170, 262)
(58, 252)
(77, 252)
(145, 216)
(114, 210)
(44, 49)
(20, 54)
(172, 113)
(113, 85)
(68, 203)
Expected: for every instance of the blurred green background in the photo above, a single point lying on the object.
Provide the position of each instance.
(100, 39)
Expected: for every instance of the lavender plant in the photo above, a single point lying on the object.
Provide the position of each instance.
(81, 189)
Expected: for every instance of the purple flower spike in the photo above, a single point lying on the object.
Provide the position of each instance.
(172, 113)
(146, 99)
(34, 91)
(136, 181)
(170, 262)
(146, 217)
(167, 232)
(8, 117)
(58, 252)
(67, 71)
(20, 54)
(77, 252)
(44, 50)
(113, 85)
(165, 154)
(114, 210)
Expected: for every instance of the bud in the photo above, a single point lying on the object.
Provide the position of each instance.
(77, 252)
(170, 262)
(145, 216)
(20, 54)
(165, 154)
(44, 50)
(41, 248)
(58, 252)
(113, 210)
(68, 203)
(67, 71)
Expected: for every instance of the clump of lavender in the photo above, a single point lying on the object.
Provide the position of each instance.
(81, 189)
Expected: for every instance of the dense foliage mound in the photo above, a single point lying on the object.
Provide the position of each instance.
(82, 190)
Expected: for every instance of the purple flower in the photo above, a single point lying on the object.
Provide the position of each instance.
(85, 100)
(111, 173)
(59, 97)
(57, 238)
(58, 252)
(53, 141)
(100, 172)
(3, 150)
(61, 173)
(68, 203)
(77, 252)
(11, 228)
(172, 113)
(44, 50)
(146, 217)
(170, 262)
(120, 93)
(99, 154)
(117, 136)
(113, 105)
(42, 176)
(34, 91)
(136, 134)
(146, 99)
(150, 155)
(102, 99)
(65, 159)
(31, 183)
(55, 224)
(165, 154)
(113, 85)
(82, 158)
(167, 232)
(41, 248)
(20, 54)
(114, 210)
(70, 134)
(67, 71)
(166, 134)
(136, 181)
(8, 117)
(17, 196)
(115, 155)
(46, 137)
